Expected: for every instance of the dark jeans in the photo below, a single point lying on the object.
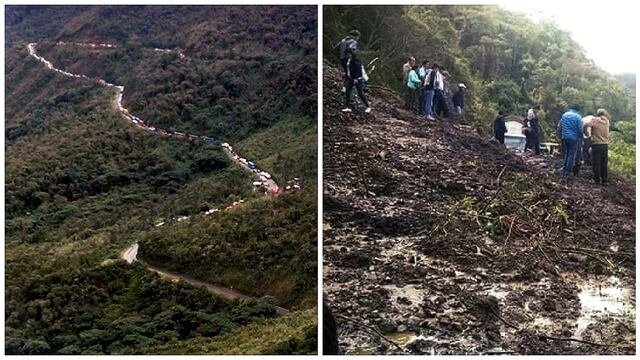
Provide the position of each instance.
(344, 63)
(440, 103)
(500, 138)
(570, 147)
(412, 98)
(359, 88)
(407, 96)
(586, 151)
(600, 161)
(428, 102)
(534, 138)
(423, 97)
(578, 163)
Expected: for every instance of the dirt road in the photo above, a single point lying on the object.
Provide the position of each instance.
(130, 255)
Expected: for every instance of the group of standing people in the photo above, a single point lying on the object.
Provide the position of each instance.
(593, 131)
(426, 89)
(530, 128)
(582, 138)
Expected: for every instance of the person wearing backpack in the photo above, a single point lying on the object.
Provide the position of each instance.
(439, 96)
(356, 76)
(347, 48)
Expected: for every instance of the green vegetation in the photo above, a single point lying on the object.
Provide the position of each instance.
(82, 184)
(260, 248)
(117, 309)
(622, 149)
(295, 334)
(507, 61)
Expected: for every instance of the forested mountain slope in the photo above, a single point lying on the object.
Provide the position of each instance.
(82, 184)
(507, 61)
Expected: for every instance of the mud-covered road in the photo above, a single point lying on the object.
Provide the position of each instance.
(439, 241)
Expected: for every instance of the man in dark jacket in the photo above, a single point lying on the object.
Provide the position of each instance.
(347, 48)
(356, 76)
(534, 129)
(458, 98)
(499, 127)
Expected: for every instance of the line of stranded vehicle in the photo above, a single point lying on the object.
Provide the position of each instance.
(265, 178)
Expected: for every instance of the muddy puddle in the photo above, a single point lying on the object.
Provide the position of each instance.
(604, 300)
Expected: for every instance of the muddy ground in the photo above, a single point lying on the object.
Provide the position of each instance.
(437, 240)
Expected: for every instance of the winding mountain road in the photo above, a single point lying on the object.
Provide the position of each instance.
(130, 255)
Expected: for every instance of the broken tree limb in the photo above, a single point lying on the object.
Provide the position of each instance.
(372, 329)
(571, 339)
(498, 188)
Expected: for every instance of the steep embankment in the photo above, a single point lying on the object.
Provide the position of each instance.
(439, 240)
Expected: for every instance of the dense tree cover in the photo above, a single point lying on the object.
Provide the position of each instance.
(244, 67)
(266, 248)
(116, 309)
(288, 148)
(294, 334)
(622, 149)
(507, 61)
(82, 184)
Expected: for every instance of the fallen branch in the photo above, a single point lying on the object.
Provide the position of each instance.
(572, 339)
(504, 321)
(495, 194)
(598, 251)
(371, 328)
(607, 263)
(509, 235)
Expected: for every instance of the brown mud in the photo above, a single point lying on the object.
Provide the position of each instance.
(437, 240)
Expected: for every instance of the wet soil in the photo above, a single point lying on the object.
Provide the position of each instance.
(437, 240)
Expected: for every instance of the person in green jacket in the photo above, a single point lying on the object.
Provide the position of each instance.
(413, 87)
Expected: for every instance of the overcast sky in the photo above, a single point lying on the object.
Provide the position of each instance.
(607, 30)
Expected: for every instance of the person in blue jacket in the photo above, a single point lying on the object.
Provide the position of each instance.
(570, 128)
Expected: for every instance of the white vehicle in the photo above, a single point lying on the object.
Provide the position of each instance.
(296, 186)
(211, 211)
(257, 183)
(160, 224)
(296, 179)
(288, 187)
(226, 145)
(182, 218)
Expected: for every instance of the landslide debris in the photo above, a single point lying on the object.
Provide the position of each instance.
(439, 240)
